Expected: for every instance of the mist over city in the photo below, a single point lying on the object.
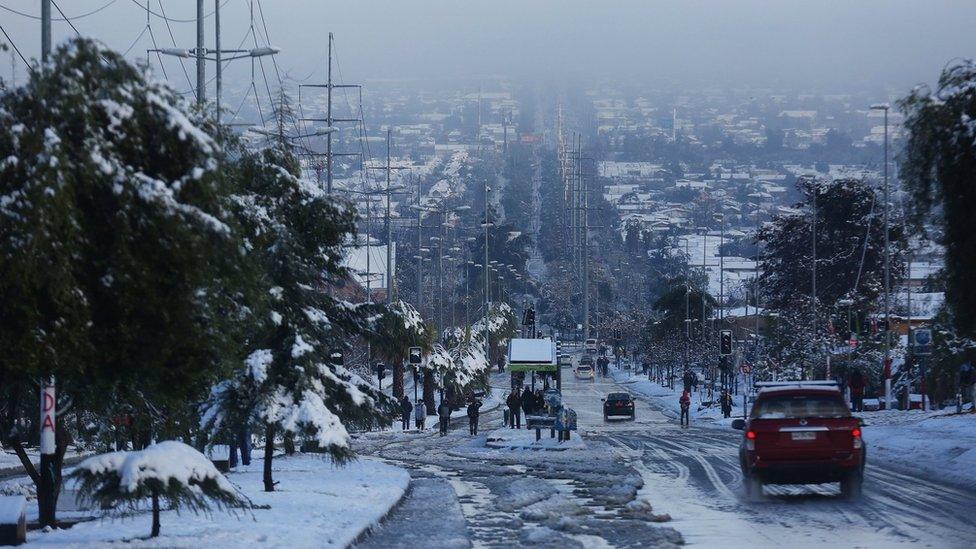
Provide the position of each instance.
(449, 274)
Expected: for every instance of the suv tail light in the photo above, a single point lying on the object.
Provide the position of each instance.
(856, 435)
(750, 440)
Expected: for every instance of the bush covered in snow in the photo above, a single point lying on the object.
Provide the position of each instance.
(169, 470)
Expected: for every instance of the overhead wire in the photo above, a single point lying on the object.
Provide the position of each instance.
(173, 38)
(72, 25)
(152, 36)
(65, 18)
(16, 49)
(172, 19)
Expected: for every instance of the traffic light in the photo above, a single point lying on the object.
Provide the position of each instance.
(380, 371)
(725, 342)
(528, 318)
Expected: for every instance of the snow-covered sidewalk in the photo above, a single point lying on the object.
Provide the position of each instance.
(315, 505)
(940, 444)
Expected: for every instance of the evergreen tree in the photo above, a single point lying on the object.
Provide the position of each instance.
(114, 243)
(294, 233)
(939, 168)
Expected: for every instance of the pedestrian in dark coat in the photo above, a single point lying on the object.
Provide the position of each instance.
(857, 391)
(726, 402)
(406, 408)
(444, 414)
(514, 402)
(474, 410)
(528, 404)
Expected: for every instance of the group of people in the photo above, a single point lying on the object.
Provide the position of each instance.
(523, 401)
(419, 412)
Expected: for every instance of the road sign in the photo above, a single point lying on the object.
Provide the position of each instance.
(745, 368)
(725, 342)
(416, 356)
(923, 341)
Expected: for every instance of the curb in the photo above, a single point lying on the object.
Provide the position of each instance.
(368, 530)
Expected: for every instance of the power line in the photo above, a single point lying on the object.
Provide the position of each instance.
(72, 25)
(29, 67)
(174, 20)
(173, 38)
(66, 18)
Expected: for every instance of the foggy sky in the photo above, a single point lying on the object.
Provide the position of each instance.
(825, 45)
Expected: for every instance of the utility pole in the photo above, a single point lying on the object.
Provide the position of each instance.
(331, 120)
(201, 54)
(487, 274)
(584, 251)
(420, 255)
(887, 265)
(220, 72)
(328, 116)
(46, 501)
(45, 31)
(813, 293)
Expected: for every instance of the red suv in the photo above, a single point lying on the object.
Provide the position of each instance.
(801, 433)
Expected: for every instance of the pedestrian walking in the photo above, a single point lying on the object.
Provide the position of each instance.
(685, 402)
(528, 403)
(444, 414)
(686, 380)
(474, 410)
(420, 415)
(967, 383)
(406, 408)
(514, 402)
(726, 402)
(856, 384)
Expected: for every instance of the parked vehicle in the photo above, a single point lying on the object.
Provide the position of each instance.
(565, 361)
(801, 433)
(584, 371)
(618, 404)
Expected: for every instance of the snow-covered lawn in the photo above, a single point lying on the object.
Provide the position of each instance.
(315, 505)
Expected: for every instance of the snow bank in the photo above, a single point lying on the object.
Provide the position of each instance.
(940, 445)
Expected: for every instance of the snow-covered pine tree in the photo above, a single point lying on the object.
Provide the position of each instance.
(113, 238)
(295, 232)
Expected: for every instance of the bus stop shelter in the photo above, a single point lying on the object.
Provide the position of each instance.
(534, 355)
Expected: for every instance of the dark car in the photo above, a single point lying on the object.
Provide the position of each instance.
(801, 433)
(618, 404)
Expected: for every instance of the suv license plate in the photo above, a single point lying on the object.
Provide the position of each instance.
(804, 435)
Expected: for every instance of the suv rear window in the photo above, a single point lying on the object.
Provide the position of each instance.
(618, 396)
(583, 368)
(800, 406)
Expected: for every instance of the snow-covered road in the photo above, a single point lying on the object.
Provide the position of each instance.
(579, 497)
